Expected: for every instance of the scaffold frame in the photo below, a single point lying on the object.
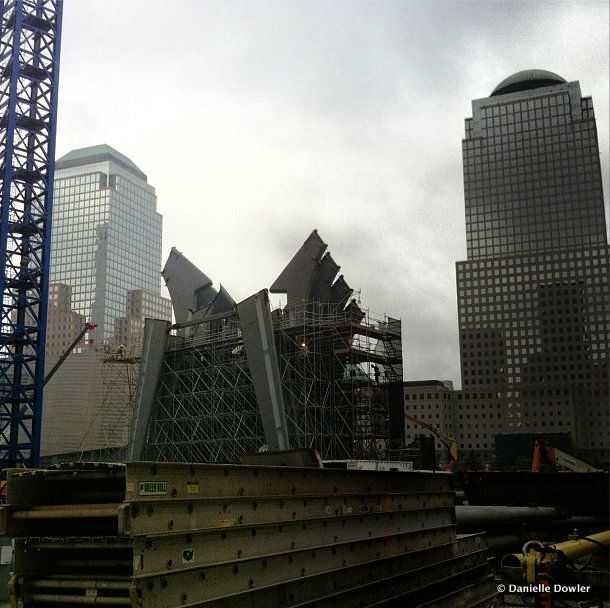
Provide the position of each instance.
(205, 409)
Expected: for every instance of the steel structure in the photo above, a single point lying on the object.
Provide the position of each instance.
(205, 409)
(319, 372)
(337, 366)
(29, 65)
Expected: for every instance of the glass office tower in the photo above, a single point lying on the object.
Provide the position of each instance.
(532, 178)
(533, 296)
(105, 268)
(106, 237)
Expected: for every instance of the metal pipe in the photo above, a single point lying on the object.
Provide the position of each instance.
(485, 517)
(572, 549)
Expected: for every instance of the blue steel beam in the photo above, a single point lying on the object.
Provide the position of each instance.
(30, 39)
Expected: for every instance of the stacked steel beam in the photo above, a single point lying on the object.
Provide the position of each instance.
(162, 535)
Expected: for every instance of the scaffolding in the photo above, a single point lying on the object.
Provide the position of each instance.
(336, 367)
(120, 376)
(205, 407)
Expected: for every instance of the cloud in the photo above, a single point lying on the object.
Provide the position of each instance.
(259, 121)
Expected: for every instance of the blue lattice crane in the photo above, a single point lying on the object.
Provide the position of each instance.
(29, 69)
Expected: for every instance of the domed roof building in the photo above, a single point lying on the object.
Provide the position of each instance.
(526, 80)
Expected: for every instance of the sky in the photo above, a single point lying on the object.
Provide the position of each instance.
(259, 121)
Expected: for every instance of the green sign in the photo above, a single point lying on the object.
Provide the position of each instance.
(153, 488)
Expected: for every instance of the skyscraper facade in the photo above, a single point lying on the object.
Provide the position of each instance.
(533, 294)
(105, 269)
(140, 305)
(106, 234)
(63, 323)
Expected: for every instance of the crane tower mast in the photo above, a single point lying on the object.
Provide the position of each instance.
(29, 68)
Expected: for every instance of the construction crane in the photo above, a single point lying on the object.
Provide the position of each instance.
(549, 455)
(81, 335)
(29, 69)
(445, 438)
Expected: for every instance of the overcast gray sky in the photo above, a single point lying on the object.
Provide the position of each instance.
(259, 121)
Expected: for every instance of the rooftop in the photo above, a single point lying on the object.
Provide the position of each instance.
(526, 80)
(98, 154)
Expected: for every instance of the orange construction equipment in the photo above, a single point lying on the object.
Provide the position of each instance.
(549, 455)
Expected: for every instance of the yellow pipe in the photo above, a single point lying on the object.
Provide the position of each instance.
(572, 549)
(575, 549)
